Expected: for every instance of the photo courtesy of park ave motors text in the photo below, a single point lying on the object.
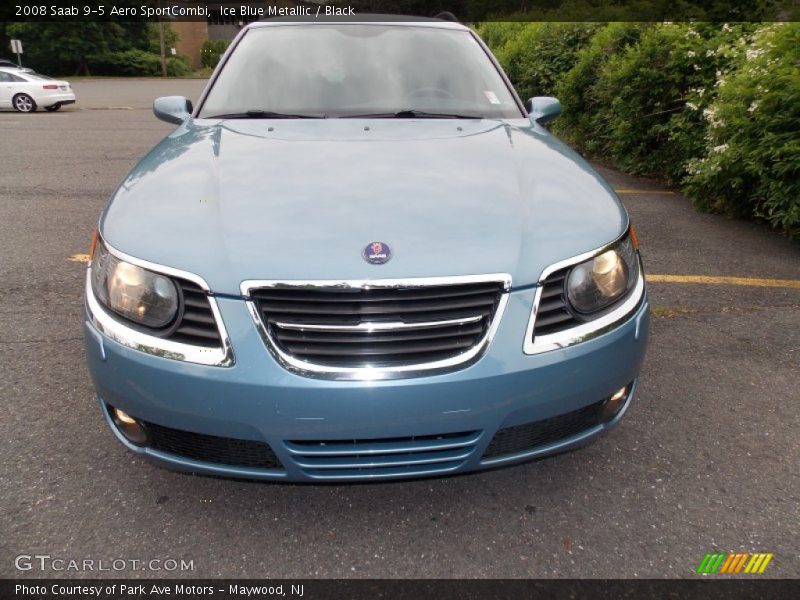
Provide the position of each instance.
(420, 290)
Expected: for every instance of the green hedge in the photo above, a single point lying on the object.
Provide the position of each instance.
(211, 52)
(642, 121)
(751, 164)
(712, 107)
(537, 55)
(137, 63)
(582, 123)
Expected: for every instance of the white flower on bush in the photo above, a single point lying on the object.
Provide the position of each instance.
(710, 52)
(753, 52)
(691, 53)
(753, 106)
(695, 165)
(720, 149)
(692, 105)
(711, 116)
(691, 33)
(726, 28)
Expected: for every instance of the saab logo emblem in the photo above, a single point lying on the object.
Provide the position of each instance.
(377, 253)
(723, 563)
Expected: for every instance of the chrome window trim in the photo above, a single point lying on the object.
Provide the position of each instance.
(129, 337)
(590, 329)
(307, 369)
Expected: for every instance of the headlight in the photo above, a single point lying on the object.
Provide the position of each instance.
(137, 294)
(599, 282)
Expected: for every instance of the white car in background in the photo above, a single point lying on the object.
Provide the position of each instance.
(24, 91)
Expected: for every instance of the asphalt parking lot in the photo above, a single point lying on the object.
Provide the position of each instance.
(705, 460)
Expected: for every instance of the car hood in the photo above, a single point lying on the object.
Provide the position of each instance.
(240, 200)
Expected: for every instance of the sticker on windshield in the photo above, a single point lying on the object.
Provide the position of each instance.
(491, 97)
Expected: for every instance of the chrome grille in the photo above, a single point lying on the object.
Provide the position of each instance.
(379, 324)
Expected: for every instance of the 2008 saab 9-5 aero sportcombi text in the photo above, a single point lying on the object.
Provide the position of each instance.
(361, 257)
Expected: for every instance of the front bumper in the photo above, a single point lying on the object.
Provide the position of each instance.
(380, 421)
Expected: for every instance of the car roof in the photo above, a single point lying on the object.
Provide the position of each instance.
(361, 19)
(18, 71)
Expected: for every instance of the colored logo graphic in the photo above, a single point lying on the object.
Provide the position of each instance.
(377, 253)
(724, 563)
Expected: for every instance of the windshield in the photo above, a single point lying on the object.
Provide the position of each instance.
(353, 70)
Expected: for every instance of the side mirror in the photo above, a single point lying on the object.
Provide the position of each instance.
(172, 109)
(544, 109)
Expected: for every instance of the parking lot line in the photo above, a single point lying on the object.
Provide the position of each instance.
(707, 279)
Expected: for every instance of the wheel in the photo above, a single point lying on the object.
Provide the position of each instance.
(53, 108)
(24, 103)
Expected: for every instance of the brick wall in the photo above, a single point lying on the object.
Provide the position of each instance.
(192, 35)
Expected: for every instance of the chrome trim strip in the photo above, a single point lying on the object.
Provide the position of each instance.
(365, 463)
(356, 475)
(375, 447)
(379, 326)
(138, 340)
(366, 284)
(590, 329)
(369, 373)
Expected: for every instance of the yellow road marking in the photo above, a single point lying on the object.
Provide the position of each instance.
(747, 281)
(656, 192)
(80, 258)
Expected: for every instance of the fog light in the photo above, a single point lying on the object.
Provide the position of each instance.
(129, 427)
(124, 417)
(615, 403)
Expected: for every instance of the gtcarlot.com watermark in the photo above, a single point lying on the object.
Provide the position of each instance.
(48, 563)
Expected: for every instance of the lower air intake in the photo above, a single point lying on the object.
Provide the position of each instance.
(386, 457)
(521, 438)
(211, 448)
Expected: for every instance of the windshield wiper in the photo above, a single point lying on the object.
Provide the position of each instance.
(413, 114)
(268, 114)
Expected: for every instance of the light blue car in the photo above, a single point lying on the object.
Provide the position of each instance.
(359, 258)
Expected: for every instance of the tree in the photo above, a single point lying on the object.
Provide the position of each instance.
(67, 47)
(60, 47)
